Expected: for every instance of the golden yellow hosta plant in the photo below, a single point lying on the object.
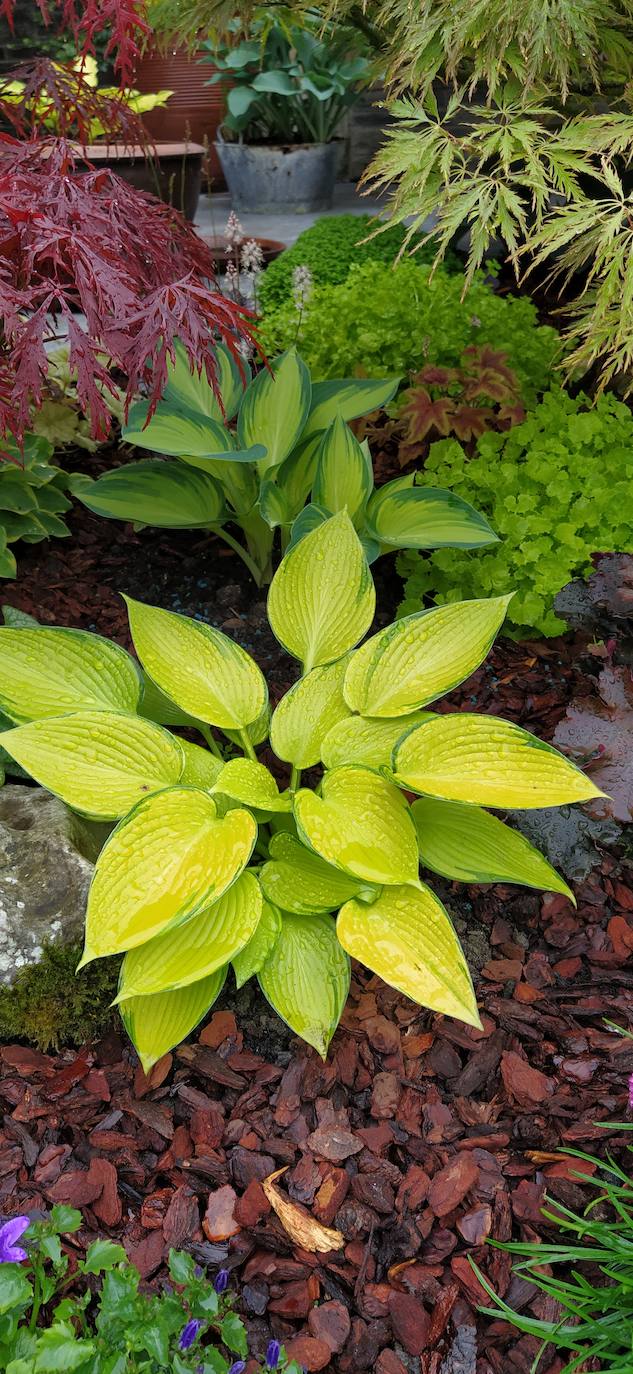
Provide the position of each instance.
(214, 863)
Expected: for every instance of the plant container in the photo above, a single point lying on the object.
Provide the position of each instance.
(284, 179)
(194, 111)
(174, 174)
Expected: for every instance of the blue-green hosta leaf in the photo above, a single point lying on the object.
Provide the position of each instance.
(467, 844)
(98, 762)
(487, 761)
(275, 408)
(158, 1023)
(420, 658)
(407, 938)
(348, 397)
(409, 517)
(197, 947)
(306, 978)
(322, 597)
(202, 670)
(344, 477)
(362, 824)
(171, 857)
(296, 879)
(169, 495)
(307, 712)
(253, 956)
(46, 672)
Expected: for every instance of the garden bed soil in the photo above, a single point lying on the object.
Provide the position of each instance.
(418, 1139)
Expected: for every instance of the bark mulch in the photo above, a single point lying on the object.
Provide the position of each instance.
(418, 1138)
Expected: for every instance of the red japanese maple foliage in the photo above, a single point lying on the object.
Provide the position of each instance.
(125, 22)
(75, 242)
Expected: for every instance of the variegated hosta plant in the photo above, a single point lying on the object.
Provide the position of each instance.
(272, 453)
(213, 864)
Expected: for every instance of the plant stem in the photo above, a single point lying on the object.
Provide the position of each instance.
(254, 570)
(247, 746)
(205, 731)
(295, 778)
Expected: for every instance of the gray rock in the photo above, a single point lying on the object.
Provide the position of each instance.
(569, 837)
(46, 862)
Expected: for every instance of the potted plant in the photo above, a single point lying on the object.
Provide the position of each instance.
(288, 89)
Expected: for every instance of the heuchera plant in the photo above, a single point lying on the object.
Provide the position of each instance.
(53, 1317)
(212, 864)
(482, 393)
(290, 444)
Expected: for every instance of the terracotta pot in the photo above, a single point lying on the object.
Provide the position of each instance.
(194, 110)
(271, 248)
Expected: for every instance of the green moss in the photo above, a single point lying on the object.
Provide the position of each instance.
(50, 1005)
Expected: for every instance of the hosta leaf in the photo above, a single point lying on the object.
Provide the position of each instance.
(166, 861)
(154, 705)
(361, 740)
(322, 597)
(201, 669)
(406, 937)
(247, 781)
(296, 475)
(257, 731)
(167, 494)
(488, 761)
(344, 476)
(307, 712)
(98, 762)
(197, 947)
(306, 978)
(467, 844)
(202, 769)
(156, 1024)
(194, 391)
(362, 824)
(174, 430)
(421, 657)
(426, 518)
(348, 397)
(48, 672)
(296, 879)
(253, 956)
(275, 408)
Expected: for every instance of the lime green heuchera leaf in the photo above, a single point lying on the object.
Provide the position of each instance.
(306, 978)
(422, 657)
(247, 781)
(406, 937)
(488, 761)
(322, 597)
(166, 494)
(98, 762)
(467, 844)
(197, 947)
(253, 956)
(344, 477)
(362, 824)
(156, 1023)
(275, 408)
(48, 672)
(201, 669)
(306, 714)
(296, 879)
(202, 769)
(367, 741)
(168, 859)
(408, 517)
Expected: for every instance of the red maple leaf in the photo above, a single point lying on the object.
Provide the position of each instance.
(124, 21)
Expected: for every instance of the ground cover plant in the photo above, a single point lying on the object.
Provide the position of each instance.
(353, 845)
(383, 320)
(289, 445)
(556, 488)
(33, 499)
(329, 249)
(52, 1316)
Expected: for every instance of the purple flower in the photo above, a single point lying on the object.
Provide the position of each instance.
(221, 1281)
(9, 1234)
(631, 1092)
(238, 1367)
(189, 1334)
(272, 1354)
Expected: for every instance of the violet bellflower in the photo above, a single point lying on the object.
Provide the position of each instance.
(190, 1333)
(237, 1367)
(272, 1354)
(221, 1281)
(631, 1092)
(10, 1252)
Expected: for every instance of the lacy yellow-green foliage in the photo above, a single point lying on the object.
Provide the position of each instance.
(213, 863)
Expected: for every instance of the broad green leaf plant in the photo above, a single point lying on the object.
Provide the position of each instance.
(212, 863)
(290, 445)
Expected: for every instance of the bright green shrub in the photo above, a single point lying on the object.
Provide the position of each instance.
(556, 489)
(385, 320)
(330, 248)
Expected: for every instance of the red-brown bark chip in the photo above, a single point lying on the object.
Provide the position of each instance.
(449, 1187)
(219, 1219)
(309, 1353)
(330, 1323)
(410, 1322)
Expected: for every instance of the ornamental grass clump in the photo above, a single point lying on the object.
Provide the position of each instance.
(218, 862)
